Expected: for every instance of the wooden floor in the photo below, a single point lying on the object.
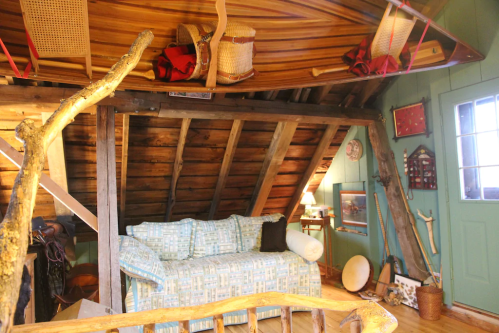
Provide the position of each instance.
(408, 318)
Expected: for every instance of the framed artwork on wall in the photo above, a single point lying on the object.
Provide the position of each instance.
(410, 120)
(353, 208)
(408, 286)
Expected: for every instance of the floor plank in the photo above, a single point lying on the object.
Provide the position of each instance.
(409, 320)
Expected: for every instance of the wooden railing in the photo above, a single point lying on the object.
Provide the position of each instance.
(373, 317)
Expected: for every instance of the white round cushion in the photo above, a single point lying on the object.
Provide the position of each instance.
(356, 273)
(307, 247)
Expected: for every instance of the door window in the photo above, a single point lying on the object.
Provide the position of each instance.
(477, 131)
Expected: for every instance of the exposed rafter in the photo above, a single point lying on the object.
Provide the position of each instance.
(316, 160)
(177, 167)
(230, 151)
(319, 93)
(273, 159)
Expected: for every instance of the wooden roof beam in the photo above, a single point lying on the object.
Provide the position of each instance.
(315, 162)
(319, 93)
(257, 110)
(275, 156)
(230, 151)
(177, 167)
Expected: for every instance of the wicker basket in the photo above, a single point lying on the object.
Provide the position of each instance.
(235, 51)
(429, 302)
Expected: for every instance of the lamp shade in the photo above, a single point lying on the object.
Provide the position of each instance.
(308, 199)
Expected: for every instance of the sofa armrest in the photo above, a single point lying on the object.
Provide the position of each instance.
(307, 247)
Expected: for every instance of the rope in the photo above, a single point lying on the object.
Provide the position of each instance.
(419, 45)
(13, 64)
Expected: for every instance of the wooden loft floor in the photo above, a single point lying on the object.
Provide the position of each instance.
(408, 319)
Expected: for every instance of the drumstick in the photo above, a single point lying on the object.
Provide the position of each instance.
(148, 75)
(316, 72)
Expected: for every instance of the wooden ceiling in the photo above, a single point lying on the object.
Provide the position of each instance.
(292, 37)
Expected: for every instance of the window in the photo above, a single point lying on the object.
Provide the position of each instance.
(477, 128)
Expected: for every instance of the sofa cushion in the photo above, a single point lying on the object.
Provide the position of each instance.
(274, 236)
(214, 237)
(169, 240)
(139, 261)
(250, 230)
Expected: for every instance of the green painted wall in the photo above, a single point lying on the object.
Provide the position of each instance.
(477, 23)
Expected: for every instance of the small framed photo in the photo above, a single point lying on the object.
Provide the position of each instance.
(353, 208)
(191, 95)
(408, 286)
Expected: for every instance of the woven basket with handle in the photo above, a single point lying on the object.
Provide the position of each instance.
(235, 51)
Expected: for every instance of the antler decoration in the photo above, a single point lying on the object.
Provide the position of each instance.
(15, 227)
(429, 225)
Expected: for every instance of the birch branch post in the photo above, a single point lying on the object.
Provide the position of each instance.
(16, 225)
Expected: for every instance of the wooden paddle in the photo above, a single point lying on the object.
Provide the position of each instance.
(3, 58)
(316, 72)
(211, 81)
(385, 275)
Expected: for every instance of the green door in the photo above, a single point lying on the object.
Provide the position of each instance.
(471, 132)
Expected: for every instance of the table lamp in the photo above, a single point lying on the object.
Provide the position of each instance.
(308, 200)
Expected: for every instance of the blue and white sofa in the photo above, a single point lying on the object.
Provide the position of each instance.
(193, 262)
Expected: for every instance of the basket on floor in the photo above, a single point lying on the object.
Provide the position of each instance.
(429, 302)
(235, 51)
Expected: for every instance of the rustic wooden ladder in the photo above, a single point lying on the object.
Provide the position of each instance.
(372, 317)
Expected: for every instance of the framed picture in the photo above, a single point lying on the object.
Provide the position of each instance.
(191, 95)
(353, 208)
(410, 120)
(408, 286)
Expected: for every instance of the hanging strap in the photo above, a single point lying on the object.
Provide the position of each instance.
(12, 63)
(385, 66)
(419, 45)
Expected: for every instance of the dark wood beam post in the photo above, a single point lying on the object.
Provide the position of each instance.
(124, 171)
(316, 160)
(394, 194)
(319, 93)
(177, 167)
(107, 211)
(273, 160)
(230, 151)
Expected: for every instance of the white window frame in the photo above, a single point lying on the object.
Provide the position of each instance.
(474, 134)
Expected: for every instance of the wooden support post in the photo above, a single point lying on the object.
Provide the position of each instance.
(218, 323)
(274, 95)
(305, 94)
(318, 321)
(275, 156)
(149, 328)
(107, 211)
(48, 184)
(124, 171)
(252, 321)
(286, 320)
(267, 95)
(57, 167)
(177, 167)
(316, 160)
(367, 91)
(183, 326)
(394, 194)
(230, 151)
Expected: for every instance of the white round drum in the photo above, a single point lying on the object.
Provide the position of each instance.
(357, 274)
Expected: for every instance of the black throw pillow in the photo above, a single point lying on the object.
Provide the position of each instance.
(274, 236)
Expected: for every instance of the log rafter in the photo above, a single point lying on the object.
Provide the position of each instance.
(273, 159)
(16, 224)
(230, 151)
(316, 160)
(177, 167)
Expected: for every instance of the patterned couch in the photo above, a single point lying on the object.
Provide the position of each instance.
(192, 262)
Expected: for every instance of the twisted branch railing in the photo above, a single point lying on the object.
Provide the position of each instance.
(16, 225)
